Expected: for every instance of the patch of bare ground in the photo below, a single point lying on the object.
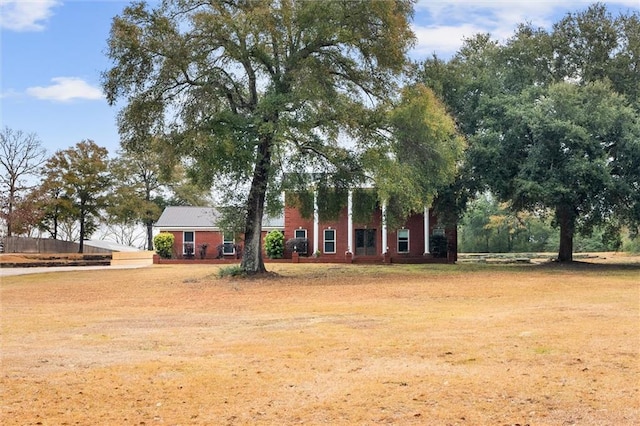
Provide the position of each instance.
(323, 344)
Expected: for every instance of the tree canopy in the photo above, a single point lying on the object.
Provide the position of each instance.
(143, 184)
(79, 179)
(552, 118)
(246, 91)
(422, 155)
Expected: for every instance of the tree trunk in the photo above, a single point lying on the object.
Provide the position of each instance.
(566, 220)
(55, 225)
(149, 235)
(82, 213)
(252, 262)
(9, 217)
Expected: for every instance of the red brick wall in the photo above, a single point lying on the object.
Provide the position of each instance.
(414, 223)
(212, 238)
(293, 221)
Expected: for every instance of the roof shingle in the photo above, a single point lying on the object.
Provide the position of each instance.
(183, 217)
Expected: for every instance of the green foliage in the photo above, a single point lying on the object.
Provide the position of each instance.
(331, 201)
(231, 271)
(274, 244)
(136, 197)
(55, 206)
(631, 242)
(80, 178)
(489, 226)
(439, 246)
(163, 242)
(493, 227)
(304, 73)
(365, 202)
(302, 200)
(421, 158)
(552, 118)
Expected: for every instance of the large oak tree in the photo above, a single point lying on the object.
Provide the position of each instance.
(552, 117)
(248, 90)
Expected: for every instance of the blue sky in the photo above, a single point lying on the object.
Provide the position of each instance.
(52, 54)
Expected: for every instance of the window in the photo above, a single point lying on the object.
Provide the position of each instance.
(228, 243)
(329, 241)
(188, 242)
(403, 241)
(301, 243)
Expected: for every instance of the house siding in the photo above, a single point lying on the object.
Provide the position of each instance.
(213, 238)
(292, 220)
(415, 225)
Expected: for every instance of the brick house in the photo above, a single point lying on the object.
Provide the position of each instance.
(197, 235)
(346, 239)
(419, 240)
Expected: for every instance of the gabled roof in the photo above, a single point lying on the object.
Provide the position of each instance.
(181, 217)
(187, 217)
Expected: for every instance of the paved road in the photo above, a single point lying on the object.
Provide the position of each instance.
(6, 272)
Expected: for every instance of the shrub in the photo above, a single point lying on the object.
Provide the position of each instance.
(631, 243)
(438, 245)
(231, 271)
(202, 249)
(298, 245)
(163, 242)
(274, 244)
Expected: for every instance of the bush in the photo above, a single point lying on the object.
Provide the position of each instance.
(163, 242)
(631, 243)
(274, 244)
(231, 271)
(298, 245)
(438, 245)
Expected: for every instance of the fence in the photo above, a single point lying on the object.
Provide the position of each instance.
(46, 245)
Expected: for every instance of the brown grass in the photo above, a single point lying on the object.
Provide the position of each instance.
(323, 344)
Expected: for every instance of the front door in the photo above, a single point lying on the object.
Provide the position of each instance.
(365, 242)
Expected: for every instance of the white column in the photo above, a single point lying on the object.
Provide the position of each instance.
(426, 230)
(350, 222)
(316, 223)
(384, 228)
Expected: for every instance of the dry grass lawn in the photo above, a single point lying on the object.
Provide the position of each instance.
(323, 344)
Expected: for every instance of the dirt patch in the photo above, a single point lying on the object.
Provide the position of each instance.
(345, 344)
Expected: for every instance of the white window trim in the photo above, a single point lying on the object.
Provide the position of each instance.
(185, 242)
(324, 241)
(231, 241)
(299, 230)
(408, 240)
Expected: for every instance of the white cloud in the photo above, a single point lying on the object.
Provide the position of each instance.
(441, 25)
(66, 89)
(447, 23)
(10, 93)
(25, 15)
(442, 38)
